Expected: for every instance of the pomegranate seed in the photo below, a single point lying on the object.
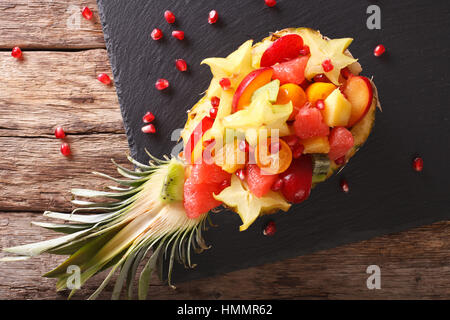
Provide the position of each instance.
(224, 184)
(148, 117)
(270, 3)
(213, 113)
(298, 151)
(16, 52)
(59, 132)
(418, 164)
(213, 16)
(177, 34)
(292, 141)
(379, 50)
(344, 185)
(169, 16)
(240, 173)
(181, 64)
(304, 51)
(150, 128)
(225, 83)
(270, 228)
(104, 78)
(161, 84)
(321, 78)
(346, 73)
(320, 104)
(244, 146)
(340, 161)
(87, 13)
(65, 149)
(215, 101)
(156, 34)
(277, 185)
(327, 65)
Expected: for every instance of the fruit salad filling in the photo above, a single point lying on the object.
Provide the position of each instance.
(278, 117)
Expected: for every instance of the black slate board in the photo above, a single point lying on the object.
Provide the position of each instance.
(413, 80)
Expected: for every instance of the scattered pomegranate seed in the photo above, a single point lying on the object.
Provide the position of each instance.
(298, 151)
(16, 52)
(150, 128)
(213, 113)
(215, 101)
(213, 16)
(156, 34)
(148, 117)
(87, 13)
(340, 161)
(379, 50)
(169, 16)
(225, 83)
(418, 164)
(244, 146)
(321, 78)
(320, 104)
(344, 185)
(277, 185)
(327, 65)
(177, 34)
(59, 132)
(161, 84)
(305, 50)
(104, 78)
(65, 149)
(181, 64)
(270, 228)
(270, 3)
(240, 173)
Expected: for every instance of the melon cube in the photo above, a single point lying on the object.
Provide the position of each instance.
(337, 110)
(316, 145)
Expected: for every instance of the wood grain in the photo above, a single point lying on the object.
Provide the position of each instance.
(50, 88)
(49, 24)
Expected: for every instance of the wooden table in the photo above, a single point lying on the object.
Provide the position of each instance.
(55, 84)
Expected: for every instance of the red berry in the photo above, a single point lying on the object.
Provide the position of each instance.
(327, 65)
(169, 16)
(181, 64)
(321, 78)
(418, 164)
(177, 34)
(213, 16)
(104, 78)
(156, 34)
(270, 228)
(298, 151)
(59, 132)
(244, 146)
(161, 84)
(215, 101)
(379, 50)
(225, 83)
(340, 161)
(150, 128)
(240, 173)
(213, 113)
(65, 149)
(16, 52)
(277, 185)
(344, 185)
(87, 13)
(305, 50)
(148, 117)
(320, 104)
(270, 3)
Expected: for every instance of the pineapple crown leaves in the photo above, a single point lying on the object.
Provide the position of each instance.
(119, 234)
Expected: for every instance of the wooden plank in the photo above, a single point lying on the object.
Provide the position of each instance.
(56, 24)
(47, 89)
(414, 265)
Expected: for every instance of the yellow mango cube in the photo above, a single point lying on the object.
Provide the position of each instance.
(337, 110)
(316, 145)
